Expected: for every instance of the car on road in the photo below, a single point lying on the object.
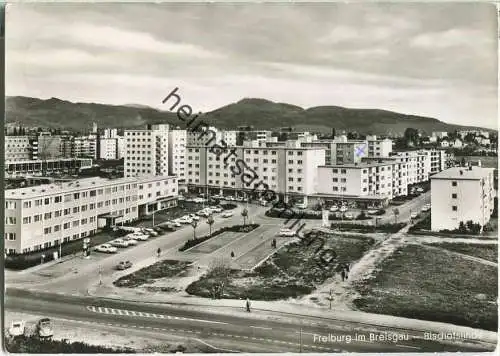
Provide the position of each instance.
(334, 208)
(149, 231)
(122, 265)
(186, 219)
(106, 248)
(17, 328)
(199, 200)
(420, 190)
(158, 229)
(227, 214)
(343, 209)
(174, 223)
(44, 328)
(372, 211)
(203, 213)
(239, 198)
(414, 215)
(230, 198)
(425, 208)
(286, 232)
(139, 236)
(130, 240)
(119, 243)
(348, 216)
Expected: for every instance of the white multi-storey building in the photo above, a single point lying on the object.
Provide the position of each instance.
(366, 182)
(346, 151)
(380, 148)
(110, 133)
(108, 148)
(147, 151)
(47, 215)
(18, 148)
(461, 194)
(286, 168)
(44, 167)
(436, 161)
(177, 140)
(418, 164)
(85, 146)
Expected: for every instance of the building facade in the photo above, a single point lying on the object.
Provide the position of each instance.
(418, 165)
(146, 151)
(461, 194)
(177, 140)
(46, 167)
(51, 214)
(18, 148)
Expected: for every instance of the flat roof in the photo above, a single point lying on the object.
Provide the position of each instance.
(359, 165)
(475, 173)
(75, 186)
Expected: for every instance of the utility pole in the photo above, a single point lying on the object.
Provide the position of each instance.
(154, 218)
(330, 298)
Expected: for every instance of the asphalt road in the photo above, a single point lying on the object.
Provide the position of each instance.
(304, 333)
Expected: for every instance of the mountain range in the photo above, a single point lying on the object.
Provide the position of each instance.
(259, 113)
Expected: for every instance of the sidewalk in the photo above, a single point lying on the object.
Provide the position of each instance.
(283, 310)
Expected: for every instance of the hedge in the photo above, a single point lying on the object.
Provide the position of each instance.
(228, 206)
(389, 228)
(33, 345)
(235, 228)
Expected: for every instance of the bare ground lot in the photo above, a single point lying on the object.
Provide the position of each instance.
(147, 275)
(292, 272)
(485, 251)
(422, 283)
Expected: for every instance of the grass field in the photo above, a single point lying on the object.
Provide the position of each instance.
(294, 271)
(427, 284)
(486, 161)
(486, 251)
(162, 269)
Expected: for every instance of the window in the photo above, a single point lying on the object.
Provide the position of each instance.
(47, 230)
(27, 204)
(10, 220)
(454, 196)
(335, 179)
(343, 171)
(76, 196)
(454, 208)
(58, 199)
(11, 236)
(453, 184)
(335, 170)
(47, 216)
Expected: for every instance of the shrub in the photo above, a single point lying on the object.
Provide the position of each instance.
(228, 206)
(32, 345)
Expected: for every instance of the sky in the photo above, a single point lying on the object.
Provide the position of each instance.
(437, 60)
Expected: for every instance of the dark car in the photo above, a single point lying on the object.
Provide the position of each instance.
(158, 229)
(123, 265)
(44, 328)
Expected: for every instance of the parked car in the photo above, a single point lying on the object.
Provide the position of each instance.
(199, 200)
(17, 328)
(414, 215)
(372, 211)
(130, 240)
(420, 190)
(123, 265)
(203, 213)
(139, 236)
(263, 202)
(286, 232)
(194, 217)
(348, 216)
(239, 198)
(301, 205)
(343, 209)
(230, 198)
(181, 198)
(119, 243)
(44, 328)
(334, 208)
(227, 214)
(158, 229)
(130, 228)
(216, 209)
(106, 248)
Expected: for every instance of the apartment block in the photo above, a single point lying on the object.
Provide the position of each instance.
(436, 161)
(18, 148)
(460, 194)
(146, 151)
(358, 180)
(418, 164)
(108, 148)
(177, 140)
(379, 147)
(85, 146)
(50, 214)
(286, 169)
(346, 151)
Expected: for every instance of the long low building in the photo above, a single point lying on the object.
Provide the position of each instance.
(49, 214)
(44, 167)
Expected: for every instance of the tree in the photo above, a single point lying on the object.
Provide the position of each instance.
(210, 222)
(219, 272)
(411, 136)
(244, 213)
(395, 211)
(194, 224)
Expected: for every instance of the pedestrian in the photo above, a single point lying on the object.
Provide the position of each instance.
(158, 252)
(232, 254)
(343, 275)
(248, 305)
(348, 267)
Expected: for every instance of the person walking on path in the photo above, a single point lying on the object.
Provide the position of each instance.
(342, 274)
(158, 252)
(248, 305)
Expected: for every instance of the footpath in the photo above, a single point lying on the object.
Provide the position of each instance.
(283, 311)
